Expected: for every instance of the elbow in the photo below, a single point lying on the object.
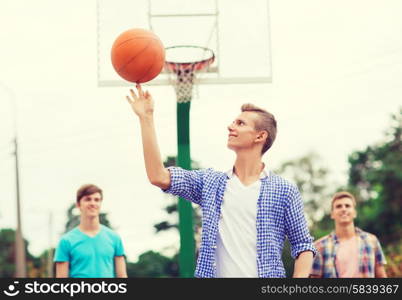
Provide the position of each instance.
(159, 182)
(154, 181)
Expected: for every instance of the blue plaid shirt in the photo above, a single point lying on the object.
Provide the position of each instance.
(279, 214)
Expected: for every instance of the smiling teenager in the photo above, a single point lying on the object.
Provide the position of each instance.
(247, 211)
(348, 251)
(91, 250)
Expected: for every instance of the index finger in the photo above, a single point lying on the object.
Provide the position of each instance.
(140, 91)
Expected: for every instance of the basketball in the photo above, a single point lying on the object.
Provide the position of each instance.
(138, 55)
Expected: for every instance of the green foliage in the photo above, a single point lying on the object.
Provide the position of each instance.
(323, 227)
(375, 175)
(165, 225)
(393, 253)
(172, 208)
(311, 179)
(7, 254)
(153, 264)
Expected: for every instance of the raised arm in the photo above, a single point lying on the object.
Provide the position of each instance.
(142, 104)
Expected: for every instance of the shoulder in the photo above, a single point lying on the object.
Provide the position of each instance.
(109, 232)
(282, 187)
(322, 242)
(282, 182)
(211, 173)
(178, 171)
(371, 238)
(71, 235)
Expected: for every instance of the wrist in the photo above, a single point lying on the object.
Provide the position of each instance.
(146, 118)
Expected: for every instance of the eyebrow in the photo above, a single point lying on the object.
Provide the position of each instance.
(242, 120)
(340, 204)
(89, 197)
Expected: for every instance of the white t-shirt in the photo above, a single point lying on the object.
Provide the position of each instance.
(236, 252)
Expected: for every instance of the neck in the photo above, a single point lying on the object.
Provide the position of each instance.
(89, 223)
(344, 232)
(248, 165)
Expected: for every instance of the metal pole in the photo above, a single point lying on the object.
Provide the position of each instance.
(187, 242)
(20, 259)
(49, 265)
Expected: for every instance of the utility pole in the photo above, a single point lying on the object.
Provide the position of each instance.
(49, 264)
(20, 258)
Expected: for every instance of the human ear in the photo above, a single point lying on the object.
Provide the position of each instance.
(262, 135)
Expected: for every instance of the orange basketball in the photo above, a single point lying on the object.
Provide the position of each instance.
(138, 55)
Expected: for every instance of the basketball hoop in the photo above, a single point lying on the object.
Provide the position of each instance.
(180, 63)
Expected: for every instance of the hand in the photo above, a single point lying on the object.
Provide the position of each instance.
(141, 102)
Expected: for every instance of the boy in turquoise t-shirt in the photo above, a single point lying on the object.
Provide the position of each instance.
(91, 250)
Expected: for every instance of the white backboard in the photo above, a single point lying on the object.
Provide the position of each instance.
(237, 31)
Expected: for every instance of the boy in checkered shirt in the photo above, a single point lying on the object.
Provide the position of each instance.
(247, 211)
(348, 251)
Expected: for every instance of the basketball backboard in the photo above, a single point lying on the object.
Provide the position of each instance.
(237, 31)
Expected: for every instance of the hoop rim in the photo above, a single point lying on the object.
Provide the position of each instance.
(194, 65)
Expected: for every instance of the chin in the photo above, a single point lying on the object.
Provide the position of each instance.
(346, 222)
(231, 146)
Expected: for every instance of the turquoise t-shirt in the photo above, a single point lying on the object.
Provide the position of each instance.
(90, 257)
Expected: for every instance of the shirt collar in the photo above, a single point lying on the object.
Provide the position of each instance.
(359, 233)
(264, 173)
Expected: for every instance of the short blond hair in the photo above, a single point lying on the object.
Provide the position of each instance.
(265, 122)
(342, 194)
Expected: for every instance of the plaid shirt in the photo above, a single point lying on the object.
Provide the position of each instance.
(370, 254)
(279, 214)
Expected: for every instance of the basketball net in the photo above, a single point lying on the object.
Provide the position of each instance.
(183, 82)
(183, 74)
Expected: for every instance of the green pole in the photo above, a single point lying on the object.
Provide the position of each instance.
(187, 243)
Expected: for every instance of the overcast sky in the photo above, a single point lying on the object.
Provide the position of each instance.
(337, 69)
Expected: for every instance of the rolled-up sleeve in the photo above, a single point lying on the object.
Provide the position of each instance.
(316, 269)
(296, 225)
(186, 184)
(379, 254)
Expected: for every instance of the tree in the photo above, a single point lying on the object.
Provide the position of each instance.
(47, 268)
(153, 264)
(311, 179)
(375, 177)
(7, 255)
(7, 252)
(172, 207)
